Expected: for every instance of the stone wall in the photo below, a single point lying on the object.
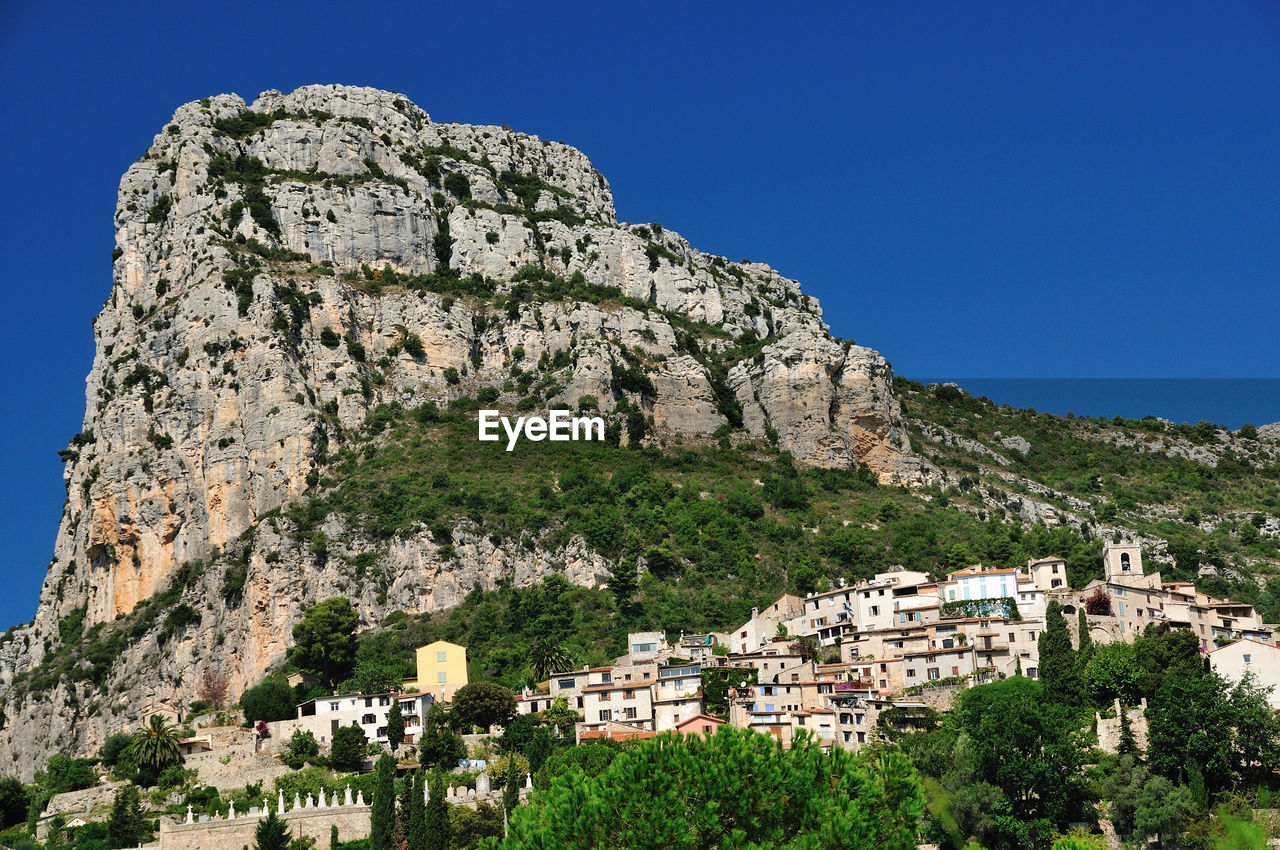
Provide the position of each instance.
(352, 822)
(1109, 727)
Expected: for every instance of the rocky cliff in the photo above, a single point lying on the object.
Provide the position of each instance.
(282, 269)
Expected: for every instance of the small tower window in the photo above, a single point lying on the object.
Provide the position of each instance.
(1124, 561)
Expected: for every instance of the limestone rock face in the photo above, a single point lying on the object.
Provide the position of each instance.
(284, 267)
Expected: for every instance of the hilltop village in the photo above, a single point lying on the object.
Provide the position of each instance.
(854, 666)
(831, 663)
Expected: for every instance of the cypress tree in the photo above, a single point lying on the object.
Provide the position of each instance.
(436, 830)
(1086, 641)
(1059, 670)
(382, 818)
(511, 794)
(333, 837)
(125, 825)
(395, 726)
(1128, 744)
(416, 816)
(272, 833)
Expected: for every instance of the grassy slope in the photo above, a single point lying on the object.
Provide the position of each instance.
(1208, 514)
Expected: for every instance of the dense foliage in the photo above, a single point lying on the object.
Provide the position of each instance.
(734, 789)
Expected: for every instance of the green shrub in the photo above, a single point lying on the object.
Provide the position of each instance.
(160, 210)
(458, 185)
(329, 338)
(270, 700)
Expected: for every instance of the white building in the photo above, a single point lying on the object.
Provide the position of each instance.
(1262, 660)
(323, 716)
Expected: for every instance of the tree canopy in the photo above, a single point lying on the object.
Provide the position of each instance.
(674, 792)
(483, 704)
(325, 640)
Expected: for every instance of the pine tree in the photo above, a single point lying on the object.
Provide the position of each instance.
(511, 794)
(436, 822)
(395, 726)
(1059, 671)
(623, 585)
(382, 818)
(1086, 641)
(125, 827)
(272, 833)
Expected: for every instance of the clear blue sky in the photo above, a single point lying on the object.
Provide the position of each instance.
(998, 189)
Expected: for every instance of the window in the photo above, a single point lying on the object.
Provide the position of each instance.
(933, 673)
(368, 719)
(384, 700)
(442, 676)
(606, 678)
(911, 673)
(565, 684)
(1011, 637)
(381, 732)
(406, 706)
(631, 713)
(604, 697)
(333, 706)
(442, 656)
(955, 671)
(368, 702)
(626, 677)
(643, 647)
(1247, 658)
(579, 702)
(606, 714)
(628, 694)
(875, 610)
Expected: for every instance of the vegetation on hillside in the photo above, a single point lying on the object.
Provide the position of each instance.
(1134, 474)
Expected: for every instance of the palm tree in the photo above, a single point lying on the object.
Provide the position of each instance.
(155, 745)
(547, 657)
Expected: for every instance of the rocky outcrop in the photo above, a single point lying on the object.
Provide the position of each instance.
(281, 269)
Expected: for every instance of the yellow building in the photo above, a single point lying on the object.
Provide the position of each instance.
(442, 669)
